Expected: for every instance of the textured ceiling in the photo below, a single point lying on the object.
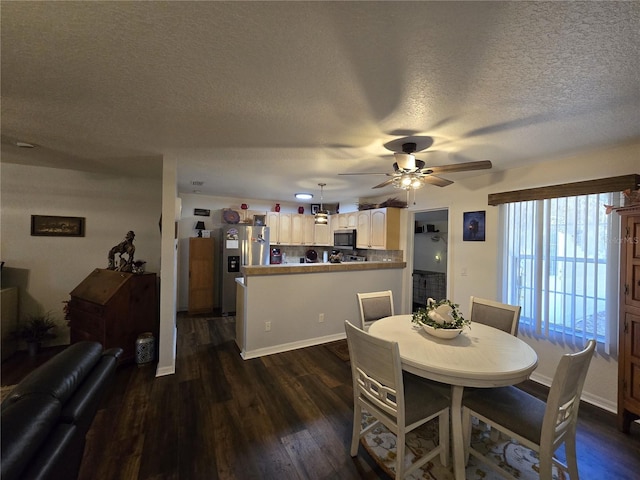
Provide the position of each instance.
(266, 98)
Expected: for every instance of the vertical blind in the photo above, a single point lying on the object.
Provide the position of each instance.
(560, 264)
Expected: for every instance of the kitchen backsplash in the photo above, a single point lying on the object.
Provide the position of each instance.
(294, 253)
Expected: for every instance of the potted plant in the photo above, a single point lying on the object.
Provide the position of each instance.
(442, 319)
(35, 329)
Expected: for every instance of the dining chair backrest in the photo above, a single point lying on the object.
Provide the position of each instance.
(563, 401)
(536, 424)
(374, 306)
(382, 389)
(502, 316)
(376, 371)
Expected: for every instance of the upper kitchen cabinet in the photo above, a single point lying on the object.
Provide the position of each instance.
(378, 229)
(297, 229)
(322, 235)
(302, 229)
(279, 228)
(344, 221)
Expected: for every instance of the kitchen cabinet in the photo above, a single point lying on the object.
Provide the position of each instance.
(246, 216)
(279, 228)
(113, 308)
(297, 229)
(308, 229)
(201, 275)
(363, 229)
(322, 235)
(629, 328)
(301, 229)
(378, 229)
(344, 221)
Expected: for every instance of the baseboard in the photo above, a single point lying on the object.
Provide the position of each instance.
(587, 397)
(285, 347)
(161, 372)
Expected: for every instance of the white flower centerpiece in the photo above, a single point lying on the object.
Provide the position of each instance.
(441, 319)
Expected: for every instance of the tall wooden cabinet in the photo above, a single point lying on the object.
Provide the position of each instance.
(113, 308)
(201, 275)
(629, 328)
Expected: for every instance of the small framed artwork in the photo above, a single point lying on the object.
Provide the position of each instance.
(259, 220)
(474, 226)
(53, 226)
(201, 212)
(315, 208)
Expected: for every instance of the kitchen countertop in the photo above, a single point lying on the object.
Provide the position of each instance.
(291, 268)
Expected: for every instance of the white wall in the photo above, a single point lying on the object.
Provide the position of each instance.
(48, 268)
(293, 304)
(473, 266)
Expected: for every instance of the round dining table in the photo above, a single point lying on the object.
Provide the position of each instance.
(480, 356)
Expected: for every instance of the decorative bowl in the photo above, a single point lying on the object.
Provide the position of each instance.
(446, 333)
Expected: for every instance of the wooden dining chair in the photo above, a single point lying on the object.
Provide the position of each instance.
(538, 425)
(374, 306)
(400, 401)
(495, 314)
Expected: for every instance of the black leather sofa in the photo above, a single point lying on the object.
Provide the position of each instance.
(46, 416)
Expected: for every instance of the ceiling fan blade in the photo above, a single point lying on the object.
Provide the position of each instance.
(459, 167)
(438, 181)
(384, 184)
(365, 173)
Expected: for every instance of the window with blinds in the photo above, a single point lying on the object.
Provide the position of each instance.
(560, 264)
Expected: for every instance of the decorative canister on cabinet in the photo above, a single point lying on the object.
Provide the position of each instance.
(145, 348)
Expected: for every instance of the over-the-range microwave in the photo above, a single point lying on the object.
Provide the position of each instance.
(345, 239)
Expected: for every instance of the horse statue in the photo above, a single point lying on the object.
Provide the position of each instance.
(126, 247)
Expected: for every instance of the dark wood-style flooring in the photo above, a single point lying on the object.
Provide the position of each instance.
(284, 416)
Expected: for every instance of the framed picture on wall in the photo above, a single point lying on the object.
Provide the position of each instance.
(315, 208)
(473, 226)
(54, 226)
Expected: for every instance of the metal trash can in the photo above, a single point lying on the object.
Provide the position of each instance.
(145, 348)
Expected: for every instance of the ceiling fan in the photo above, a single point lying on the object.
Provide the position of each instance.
(411, 173)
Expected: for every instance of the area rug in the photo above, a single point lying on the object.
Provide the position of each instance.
(5, 390)
(521, 462)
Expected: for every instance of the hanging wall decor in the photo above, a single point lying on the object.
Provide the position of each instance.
(473, 227)
(54, 226)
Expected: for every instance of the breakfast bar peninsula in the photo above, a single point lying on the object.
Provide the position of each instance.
(289, 306)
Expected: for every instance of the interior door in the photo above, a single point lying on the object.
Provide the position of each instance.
(430, 252)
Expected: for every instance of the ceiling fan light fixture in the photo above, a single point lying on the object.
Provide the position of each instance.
(408, 181)
(304, 196)
(417, 183)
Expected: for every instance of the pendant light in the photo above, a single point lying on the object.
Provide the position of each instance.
(322, 216)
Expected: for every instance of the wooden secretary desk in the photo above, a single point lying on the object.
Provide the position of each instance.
(113, 308)
(629, 327)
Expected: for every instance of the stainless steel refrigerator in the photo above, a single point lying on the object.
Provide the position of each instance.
(241, 245)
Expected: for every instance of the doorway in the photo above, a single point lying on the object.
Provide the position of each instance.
(430, 252)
